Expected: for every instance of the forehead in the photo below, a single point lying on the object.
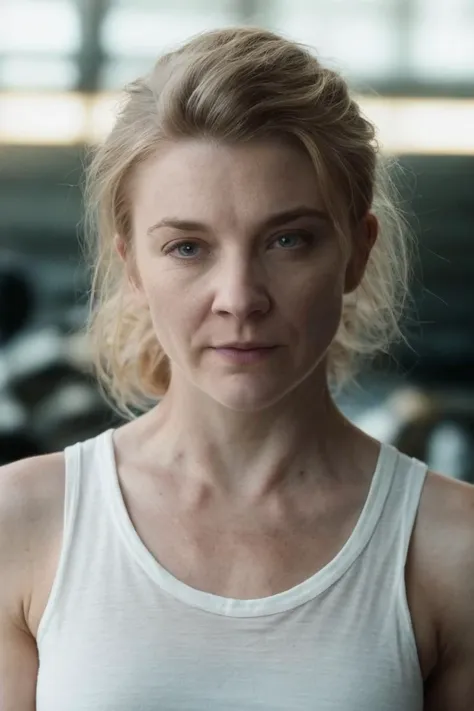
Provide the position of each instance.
(199, 178)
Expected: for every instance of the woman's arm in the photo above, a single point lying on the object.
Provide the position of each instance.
(18, 665)
(23, 528)
(445, 555)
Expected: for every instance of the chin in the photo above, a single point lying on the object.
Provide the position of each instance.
(247, 397)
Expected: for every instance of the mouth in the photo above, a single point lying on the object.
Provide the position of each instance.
(245, 355)
(246, 346)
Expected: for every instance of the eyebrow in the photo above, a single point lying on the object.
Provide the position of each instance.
(280, 218)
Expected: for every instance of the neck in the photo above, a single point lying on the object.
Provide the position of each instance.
(252, 454)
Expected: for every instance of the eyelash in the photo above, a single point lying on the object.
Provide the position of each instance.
(305, 236)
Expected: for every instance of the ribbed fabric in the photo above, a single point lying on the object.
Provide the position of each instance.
(120, 633)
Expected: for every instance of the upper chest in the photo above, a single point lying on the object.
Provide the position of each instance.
(239, 550)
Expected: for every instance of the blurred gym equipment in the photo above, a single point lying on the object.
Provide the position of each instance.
(433, 425)
(16, 442)
(37, 363)
(73, 412)
(50, 399)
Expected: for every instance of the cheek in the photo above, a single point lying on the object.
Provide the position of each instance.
(318, 307)
(157, 296)
(172, 305)
(322, 319)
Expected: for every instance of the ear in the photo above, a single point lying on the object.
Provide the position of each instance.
(121, 248)
(363, 239)
(128, 262)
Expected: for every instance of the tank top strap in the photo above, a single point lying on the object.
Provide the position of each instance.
(72, 493)
(404, 499)
(82, 515)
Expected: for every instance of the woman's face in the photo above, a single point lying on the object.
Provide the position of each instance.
(232, 244)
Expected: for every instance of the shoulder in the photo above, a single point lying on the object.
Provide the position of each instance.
(31, 512)
(441, 561)
(444, 530)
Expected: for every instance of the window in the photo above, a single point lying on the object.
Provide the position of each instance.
(38, 40)
(39, 26)
(357, 37)
(443, 39)
(134, 34)
(23, 72)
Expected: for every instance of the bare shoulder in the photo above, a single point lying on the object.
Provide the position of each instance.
(31, 513)
(442, 562)
(444, 533)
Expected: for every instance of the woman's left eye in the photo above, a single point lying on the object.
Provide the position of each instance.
(183, 250)
(293, 239)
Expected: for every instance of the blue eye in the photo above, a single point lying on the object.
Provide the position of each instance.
(184, 249)
(290, 237)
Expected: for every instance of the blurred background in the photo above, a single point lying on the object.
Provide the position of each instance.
(62, 62)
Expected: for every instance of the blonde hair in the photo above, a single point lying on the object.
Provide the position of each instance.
(233, 85)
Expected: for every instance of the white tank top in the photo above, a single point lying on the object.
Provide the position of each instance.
(120, 633)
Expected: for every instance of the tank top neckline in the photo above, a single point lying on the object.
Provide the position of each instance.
(283, 601)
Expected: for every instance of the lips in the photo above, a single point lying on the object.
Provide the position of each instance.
(245, 355)
(245, 346)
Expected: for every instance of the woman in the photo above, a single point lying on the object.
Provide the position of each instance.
(239, 544)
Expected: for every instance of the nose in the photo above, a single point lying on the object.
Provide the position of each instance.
(240, 289)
